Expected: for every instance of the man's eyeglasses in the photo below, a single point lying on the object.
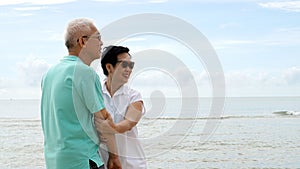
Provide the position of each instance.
(96, 37)
(124, 64)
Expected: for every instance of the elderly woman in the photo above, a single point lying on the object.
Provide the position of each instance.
(125, 106)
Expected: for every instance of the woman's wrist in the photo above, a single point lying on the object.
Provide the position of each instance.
(117, 127)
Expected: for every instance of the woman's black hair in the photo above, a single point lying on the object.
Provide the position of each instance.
(110, 55)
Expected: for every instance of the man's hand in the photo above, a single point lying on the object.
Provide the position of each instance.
(105, 126)
(106, 130)
(113, 162)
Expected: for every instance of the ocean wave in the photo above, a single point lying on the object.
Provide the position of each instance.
(275, 114)
(292, 113)
(215, 118)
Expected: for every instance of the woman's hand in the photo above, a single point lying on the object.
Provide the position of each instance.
(105, 126)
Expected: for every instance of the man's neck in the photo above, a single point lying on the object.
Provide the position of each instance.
(81, 57)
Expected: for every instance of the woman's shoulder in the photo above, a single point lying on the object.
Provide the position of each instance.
(131, 91)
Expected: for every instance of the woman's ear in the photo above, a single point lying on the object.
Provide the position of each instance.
(109, 67)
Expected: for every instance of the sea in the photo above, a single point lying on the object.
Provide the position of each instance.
(191, 133)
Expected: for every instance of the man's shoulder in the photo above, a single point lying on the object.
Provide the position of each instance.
(84, 70)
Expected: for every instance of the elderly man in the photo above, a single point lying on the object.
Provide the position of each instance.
(71, 99)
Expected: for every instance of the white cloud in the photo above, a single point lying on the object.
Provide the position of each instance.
(21, 93)
(250, 79)
(286, 36)
(56, 37)
(3, 91)
(135, 1)
(158, 1)
(177, 83)
(292, 75)
(109, 0)
(292, 6)
(13, 87)
(135, 39)
(10, 82)
(32, 70)
(27, 84)
(29, 8)
(264, 83)
(238, 83)
(162, 78)
(234, 42)
(27, 14)
(4, 83)
(34, 2)
(223, 44)
(2, 80)
(51, 35)
(173, 84)
(229, 25)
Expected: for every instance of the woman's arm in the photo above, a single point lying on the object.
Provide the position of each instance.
(132, 117)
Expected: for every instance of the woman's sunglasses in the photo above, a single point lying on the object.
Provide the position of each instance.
(124, 64)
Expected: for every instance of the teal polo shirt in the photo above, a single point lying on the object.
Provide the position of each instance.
(71, 93)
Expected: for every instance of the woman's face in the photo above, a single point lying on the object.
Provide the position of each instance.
(122, 69)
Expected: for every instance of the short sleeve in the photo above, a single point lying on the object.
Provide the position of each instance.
(136, 96)
(87, 98)
(90, 87)
(93, 96)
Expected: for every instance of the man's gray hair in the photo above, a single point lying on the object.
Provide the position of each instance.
(75, 29)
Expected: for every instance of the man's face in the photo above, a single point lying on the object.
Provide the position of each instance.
(93, 44)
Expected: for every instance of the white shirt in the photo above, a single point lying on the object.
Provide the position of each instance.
(130, 150)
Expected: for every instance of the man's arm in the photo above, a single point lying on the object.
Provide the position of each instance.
(104, 117)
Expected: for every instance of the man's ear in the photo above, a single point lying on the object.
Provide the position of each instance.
(81, 42)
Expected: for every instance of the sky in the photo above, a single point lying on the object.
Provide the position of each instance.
(257, 43)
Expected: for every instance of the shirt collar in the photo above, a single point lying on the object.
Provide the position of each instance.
(71, 58)
(120, 91)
